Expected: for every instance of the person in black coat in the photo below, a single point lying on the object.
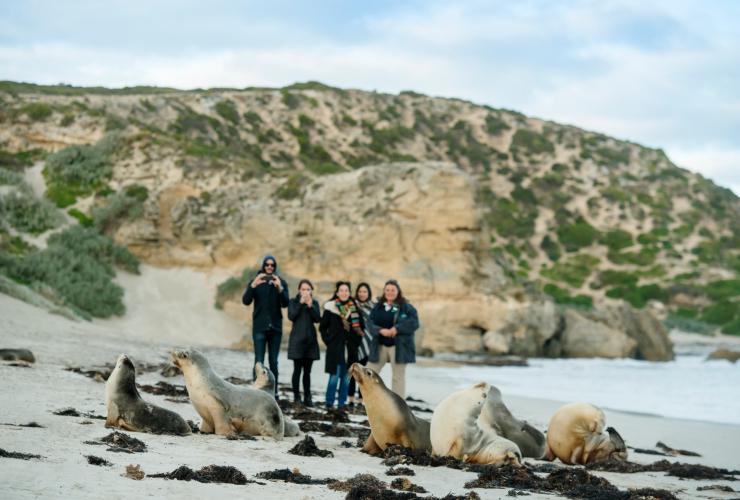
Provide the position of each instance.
(269, 292)
(341, 329)
(393, 323)
(303, 346)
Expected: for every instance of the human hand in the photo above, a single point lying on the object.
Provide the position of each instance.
(276, 282)
(385, 332)
(359, 331)
(393, 332)
(258, 280)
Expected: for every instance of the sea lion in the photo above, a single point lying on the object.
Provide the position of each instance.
(464, 426)
(391, 420)
(128, 411)
(530, 441)
(227, 408)
(17, 355)
(264, 380)
(577, 435)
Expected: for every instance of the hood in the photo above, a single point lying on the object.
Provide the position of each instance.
(264, 259)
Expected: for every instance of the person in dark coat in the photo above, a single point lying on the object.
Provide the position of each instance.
(341, 328)
(269, 292)
(393, 322)
(365, 304)
(303, 346)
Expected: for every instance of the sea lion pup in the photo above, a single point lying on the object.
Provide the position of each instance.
(530, 441)
(128, 411)
(391, 420)
(577, 435)
(464, 427)
(264, 380)
(17, 355)
(227, 408)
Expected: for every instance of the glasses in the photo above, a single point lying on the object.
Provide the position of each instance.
(269, 264)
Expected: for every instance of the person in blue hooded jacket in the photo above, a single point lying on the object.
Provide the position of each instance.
(269, 292)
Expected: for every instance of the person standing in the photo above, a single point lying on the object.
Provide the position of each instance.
(393, 323)
(365, 303)
(303, 346)
(341, 328)
(269, 292)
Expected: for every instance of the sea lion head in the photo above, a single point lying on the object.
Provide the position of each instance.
(185, 358)
(365, 377)
(616, 447)
(499, 451)
(263, 378)
(123, 377)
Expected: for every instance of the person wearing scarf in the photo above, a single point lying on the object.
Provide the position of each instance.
(341, 329)
(365, 304)
(393, 323)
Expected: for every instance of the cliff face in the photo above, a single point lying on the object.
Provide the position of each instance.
(475, 210)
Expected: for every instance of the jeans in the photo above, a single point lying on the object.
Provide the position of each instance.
(271, 339)
(331, 388)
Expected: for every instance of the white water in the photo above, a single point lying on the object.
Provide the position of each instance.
(688, 388)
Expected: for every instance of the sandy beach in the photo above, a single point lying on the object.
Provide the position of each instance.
(32, 394)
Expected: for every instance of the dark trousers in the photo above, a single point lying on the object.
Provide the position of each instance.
(305, 365)
(353, 384)
(271, 340)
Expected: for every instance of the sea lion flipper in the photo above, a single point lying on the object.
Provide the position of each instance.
(371, 447)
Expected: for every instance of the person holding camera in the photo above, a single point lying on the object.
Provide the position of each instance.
(393, 322)
(341, 328)
(303, 346)
(269, 292)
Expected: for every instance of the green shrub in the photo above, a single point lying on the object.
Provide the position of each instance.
(644, 257)
(688, 324)
(233, 286)
(732, 328)
(530, 142)
(291, 188)
(561, 296)
(615, 194)
(325, 168)
(227, 110)
(551, 248)
(21, 159)
(115, 122)
(611, 277)
(617, 239)
(253, 118)
(28, 214)
(495, 125)
(573, 271)
(10, 178)
(127, 204)
(638, 296)
(721, 312)
(290, 99)
(511, 219)
(82, 218)
(577, 235)
(79, 170)
(37, 111)
(723, 289)
(67, 120)
(383, 139)
(13, 245)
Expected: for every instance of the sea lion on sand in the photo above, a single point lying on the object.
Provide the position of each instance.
(530, 441)
(128, 411)
(577, 435)
(464, 426)
(227, 408)
(17, 355)
(264, 380)
(391, 420)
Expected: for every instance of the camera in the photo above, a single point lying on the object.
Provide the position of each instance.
(269, 277)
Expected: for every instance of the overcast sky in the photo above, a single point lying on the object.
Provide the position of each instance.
(662, 73)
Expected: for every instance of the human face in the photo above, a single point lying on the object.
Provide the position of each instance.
(390, 292)
(305, 288)
(343, 293)
(270, 266)
(362, 294)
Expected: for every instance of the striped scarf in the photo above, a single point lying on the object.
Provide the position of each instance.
(348, 311)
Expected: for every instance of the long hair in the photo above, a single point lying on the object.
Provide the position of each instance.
(369, 292)
(300, 284)
(400, 300)
(336, 289)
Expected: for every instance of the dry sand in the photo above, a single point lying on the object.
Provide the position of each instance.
(32, 394)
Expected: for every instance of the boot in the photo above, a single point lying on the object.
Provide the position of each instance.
(296, 396)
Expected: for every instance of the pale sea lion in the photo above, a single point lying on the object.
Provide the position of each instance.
(226, 408)
(464, 426)
(17, 355)
(391, 420)
(128, 411)
(577, 434)
(530, 441)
